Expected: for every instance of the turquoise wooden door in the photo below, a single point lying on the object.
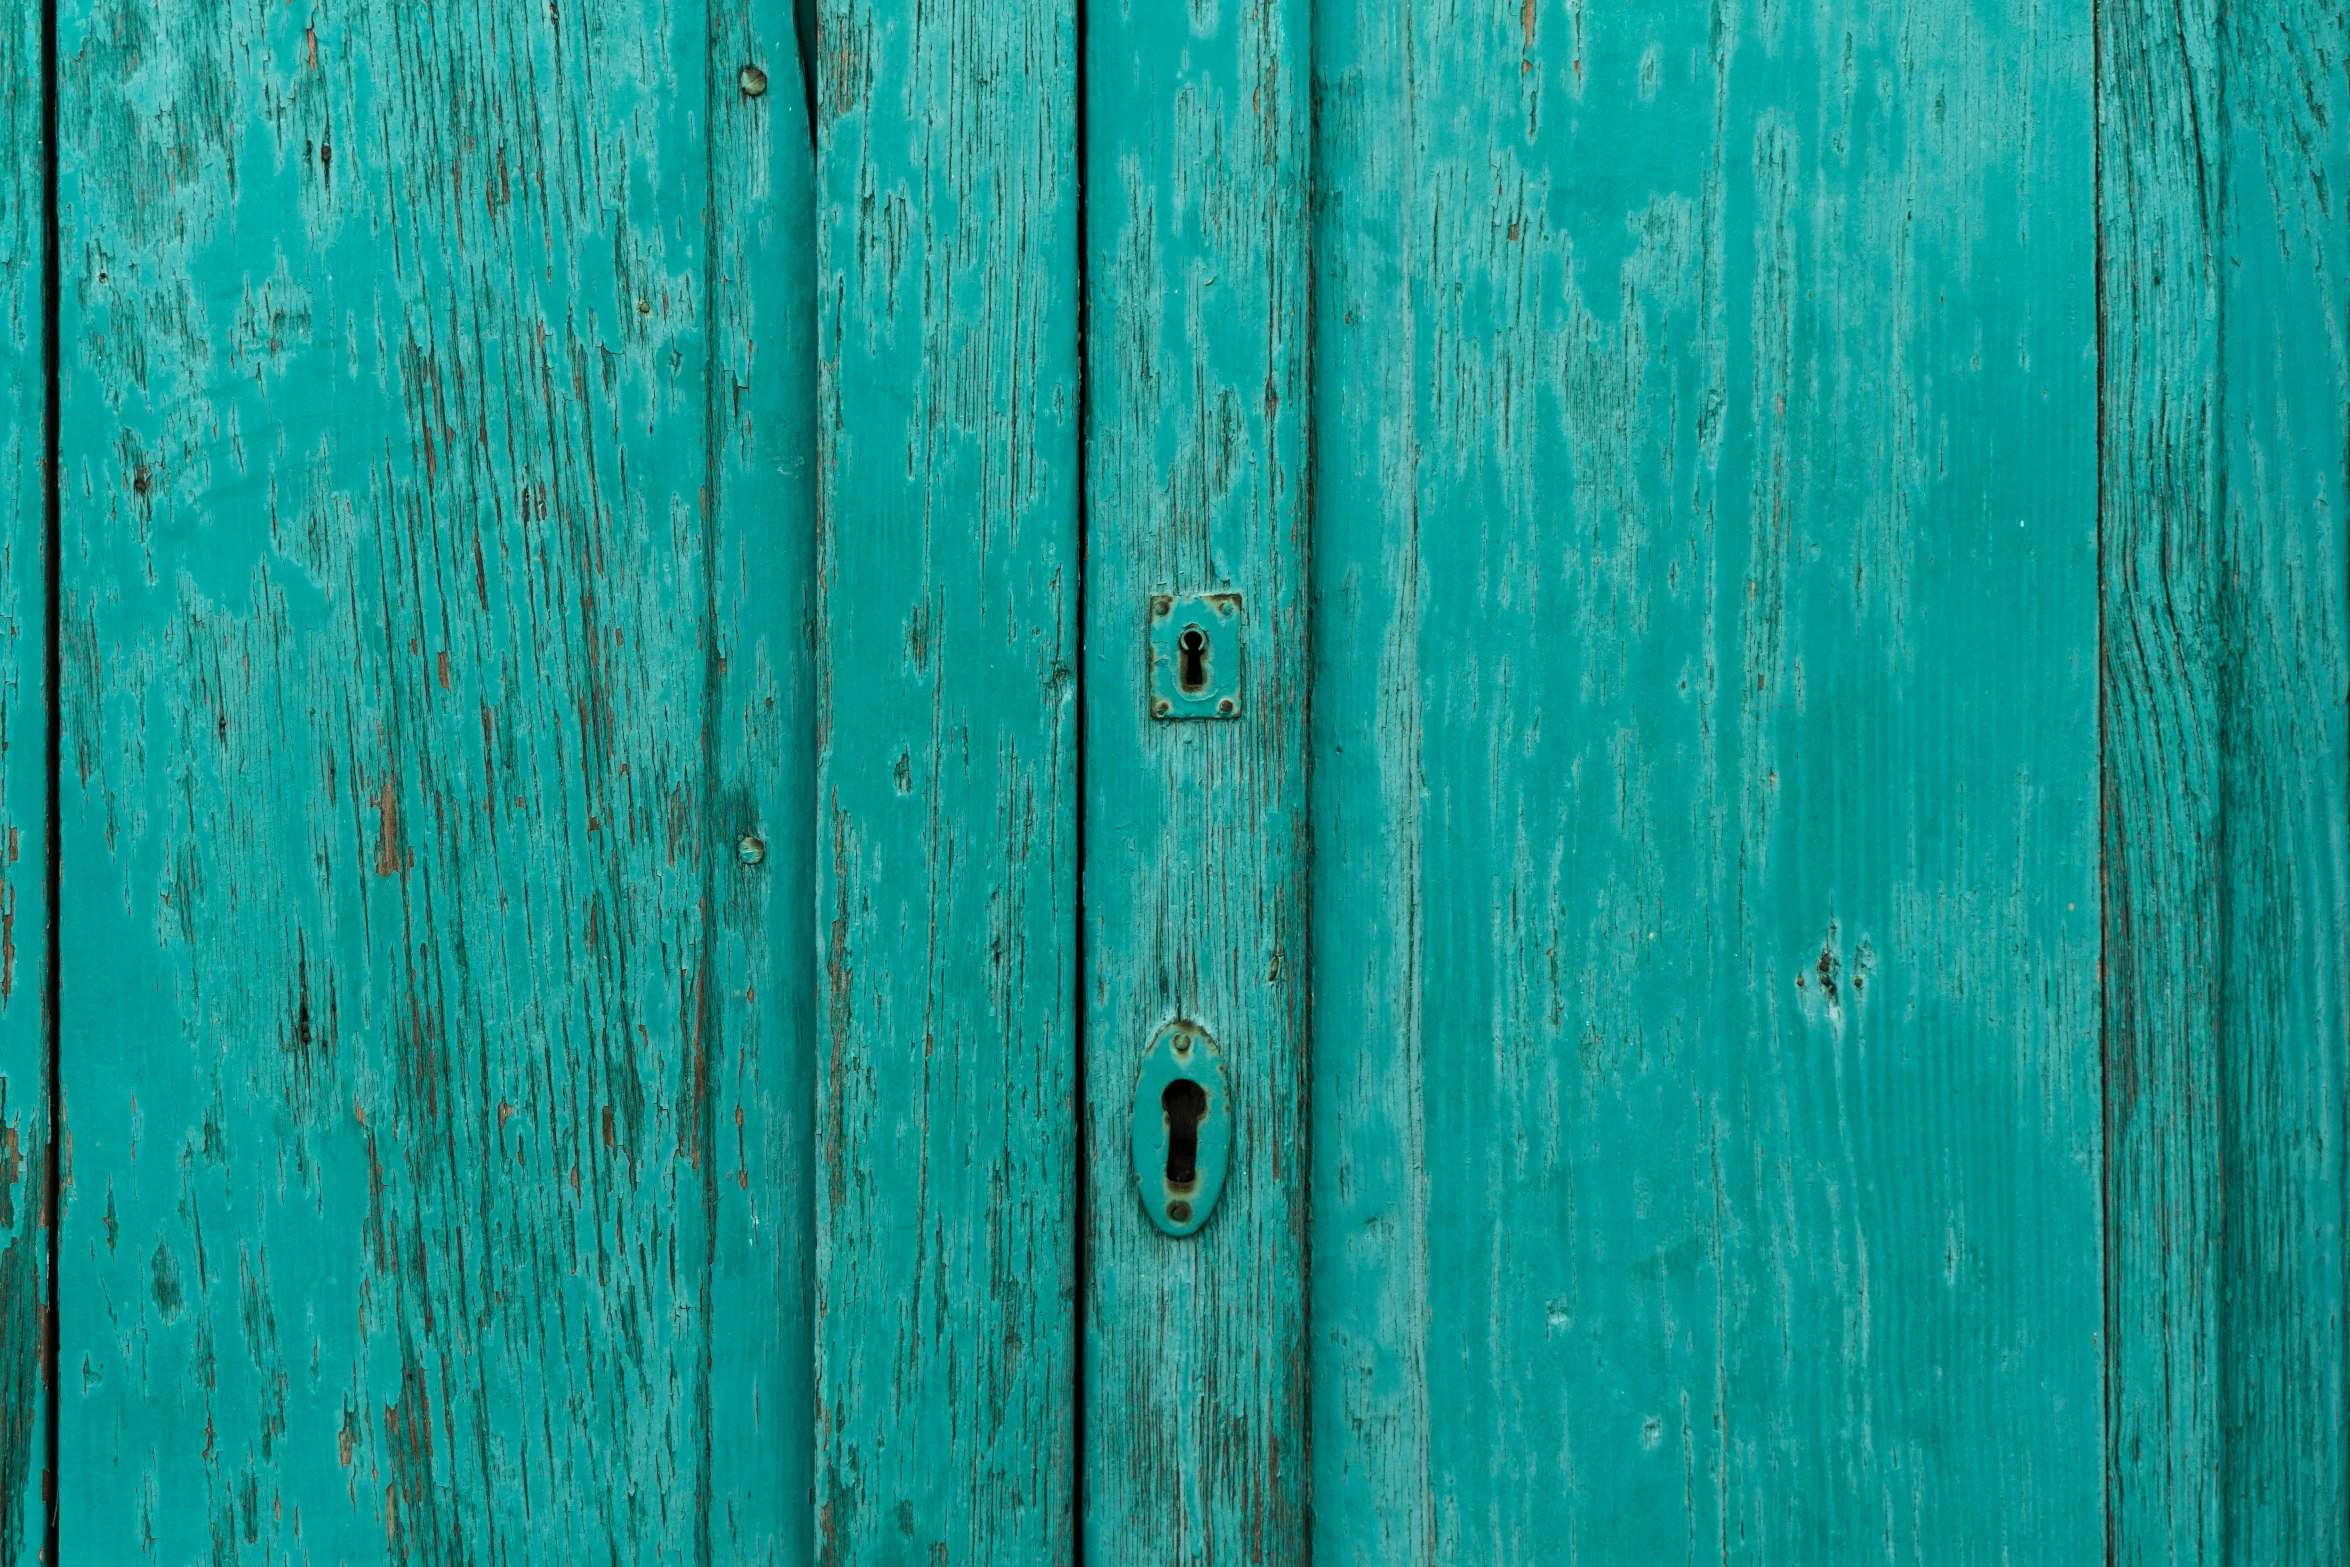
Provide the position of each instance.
(434, 417)
(630, 932)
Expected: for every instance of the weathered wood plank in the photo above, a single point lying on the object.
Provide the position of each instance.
(947, 873)
(1195, 874)
(760, 1106)
(2159, 594)
(2226, 399)
(24, 792)
(2284, 698)
(1729, 941)
(402, 1062)
(1369, 1235)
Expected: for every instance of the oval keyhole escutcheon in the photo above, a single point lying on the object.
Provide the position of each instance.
(1182, 1129)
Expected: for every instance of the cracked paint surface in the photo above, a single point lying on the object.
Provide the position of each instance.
(434, 444)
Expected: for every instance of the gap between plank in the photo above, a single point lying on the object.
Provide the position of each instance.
(1080, 1100)
(2105, 811)
(52, 1489)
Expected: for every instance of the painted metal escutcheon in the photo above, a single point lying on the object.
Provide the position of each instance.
(1182, 1129)
(1195, 655)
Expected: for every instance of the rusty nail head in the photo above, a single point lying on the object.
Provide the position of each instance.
(754, 81)
(752, 850)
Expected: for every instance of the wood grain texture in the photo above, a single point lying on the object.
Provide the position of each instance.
(419, 684)
(1824, 522)
(2226, 407)
(1196, 847)
(2159, 594)
(760, 760)
(1706, 969)
(24, 795)
(1368, 1353)
(2284, 696)
(947, 876)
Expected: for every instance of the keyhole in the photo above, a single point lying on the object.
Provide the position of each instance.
(1191, 663)
(1185, 1102)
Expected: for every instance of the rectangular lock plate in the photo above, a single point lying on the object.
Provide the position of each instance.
(1195, 655)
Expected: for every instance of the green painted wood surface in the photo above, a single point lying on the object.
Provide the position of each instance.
(759, 739)
(1809, 992)
(24, 795)
(2224, 276)
(433, 597)
(1369, 1236)
(1197, 261)
(947, 828)
(1706, 818)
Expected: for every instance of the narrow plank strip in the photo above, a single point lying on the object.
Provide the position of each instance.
(761, 926)
(387, 569)
(1195, 876)
(2284, 701)
(947, 878)
(2161, 572)
(1373, 1506)
(2226, 390)
(24, 794)
(1742, 979)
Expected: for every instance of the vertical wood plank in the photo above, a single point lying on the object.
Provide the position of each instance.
(2284, 701)
(1195, 875)
(1742, 988)
(24, 793)
(2226, 412)
(2160, 724)
(760, 766)
(400, 1056)
(1375, 1444)
(1369, 1236)
(947, 877)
